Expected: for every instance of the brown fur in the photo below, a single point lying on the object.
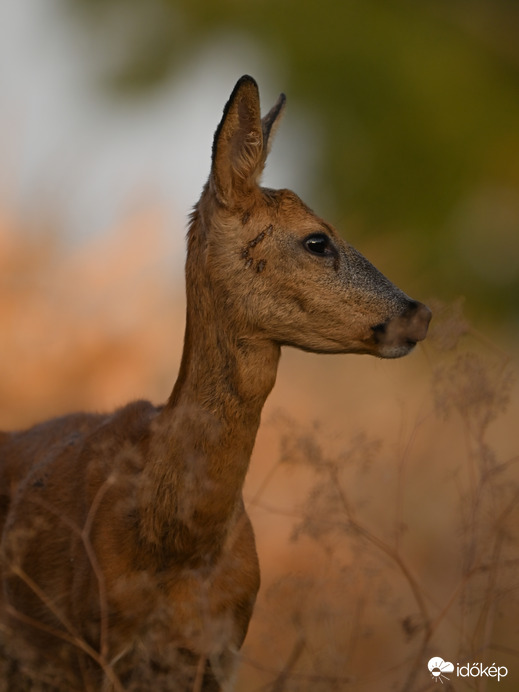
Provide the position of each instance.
(127, 555)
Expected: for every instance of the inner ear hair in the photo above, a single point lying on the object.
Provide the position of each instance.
(238, 146)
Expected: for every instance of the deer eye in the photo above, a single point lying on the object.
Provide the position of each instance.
(318, 244)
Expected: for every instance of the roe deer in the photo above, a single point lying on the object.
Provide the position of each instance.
(128, 559)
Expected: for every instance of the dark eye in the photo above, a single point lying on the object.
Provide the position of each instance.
(318, 244)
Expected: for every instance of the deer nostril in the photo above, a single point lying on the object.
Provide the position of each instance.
(413, 306)
(379, 330)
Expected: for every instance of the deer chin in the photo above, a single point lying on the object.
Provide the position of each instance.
(395, 351)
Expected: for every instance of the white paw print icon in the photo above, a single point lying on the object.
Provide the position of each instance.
(438, 667)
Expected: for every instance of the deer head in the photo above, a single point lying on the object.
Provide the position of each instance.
(275, 269)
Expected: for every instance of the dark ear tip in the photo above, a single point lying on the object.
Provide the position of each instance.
(241, 116)
(281, 102)
(243, 83)
(246, 79)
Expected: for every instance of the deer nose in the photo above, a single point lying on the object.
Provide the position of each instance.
(399, 335)
(416, 319)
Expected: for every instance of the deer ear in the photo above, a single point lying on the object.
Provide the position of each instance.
(270, 124)
(238, 152)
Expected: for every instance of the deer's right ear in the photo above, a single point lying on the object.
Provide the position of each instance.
(238, 155)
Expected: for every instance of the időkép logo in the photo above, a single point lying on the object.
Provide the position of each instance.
(439, 669)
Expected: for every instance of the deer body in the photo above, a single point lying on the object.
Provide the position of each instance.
(127, 554)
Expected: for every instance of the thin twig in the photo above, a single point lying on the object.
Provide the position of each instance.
(297, 650)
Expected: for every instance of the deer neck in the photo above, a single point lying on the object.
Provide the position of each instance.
(206, 432)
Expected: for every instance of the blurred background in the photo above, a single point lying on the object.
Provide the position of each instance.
(401, 130)
(402, 121)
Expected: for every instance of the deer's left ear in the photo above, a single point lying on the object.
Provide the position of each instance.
(240, 144)
(270, 124)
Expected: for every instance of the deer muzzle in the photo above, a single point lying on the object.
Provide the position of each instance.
(399, 335)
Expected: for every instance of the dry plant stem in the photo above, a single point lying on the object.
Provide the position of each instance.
(22, 618)
(255, 499)
(73, 637)
(402, 468)
(84, 535)
(500, 468)
(297, 650)
(485, 622)
(392, 553)
(484, 626)
(94, 562)
(451, 601)
(431, 625)
(360, 605)
(70, 636)
(199, 677)
(396, 557)
(332, 680)
(488, 343)
(476, 489)
(481, 485)
(490, 567)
